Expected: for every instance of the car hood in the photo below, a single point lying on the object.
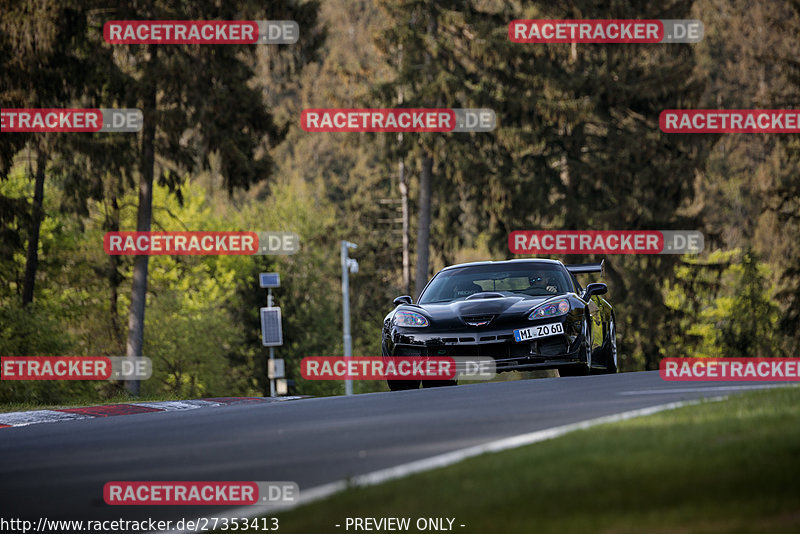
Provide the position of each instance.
(499, 307)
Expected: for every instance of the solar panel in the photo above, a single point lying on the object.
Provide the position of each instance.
(271, 331)
(269, 280)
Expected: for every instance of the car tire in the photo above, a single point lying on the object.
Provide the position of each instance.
(581, 369)
(402, 385)
(611, 348)
(576, 369)
(398, 385)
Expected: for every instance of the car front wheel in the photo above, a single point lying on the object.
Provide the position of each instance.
(611, 348)
(398, 385)
(583, 368)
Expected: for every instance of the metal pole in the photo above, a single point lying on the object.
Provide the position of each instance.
(404, 205)
(271, 351)
(348, 341)
(271, 380)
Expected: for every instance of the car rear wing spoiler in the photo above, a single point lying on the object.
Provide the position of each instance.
(586, 268)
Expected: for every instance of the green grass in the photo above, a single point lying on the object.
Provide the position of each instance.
(731, 466)
(76, 403)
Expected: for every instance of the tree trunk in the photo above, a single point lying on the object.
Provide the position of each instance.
(143, 220)
(114, 276)
(32, 256)
(424, 222)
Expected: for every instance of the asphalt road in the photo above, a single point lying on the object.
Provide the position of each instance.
(58, 470)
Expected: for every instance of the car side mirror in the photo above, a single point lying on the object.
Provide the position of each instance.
(594, 289)
(405, 299)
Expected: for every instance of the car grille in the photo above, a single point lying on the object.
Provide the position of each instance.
(506, 348)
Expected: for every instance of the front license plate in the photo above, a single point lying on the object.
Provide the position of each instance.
(535, 332)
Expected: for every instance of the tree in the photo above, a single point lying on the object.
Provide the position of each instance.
(579, 147)
(747, 196)
(201, 94)
(779, 176)
(423, 43)
(42, 45)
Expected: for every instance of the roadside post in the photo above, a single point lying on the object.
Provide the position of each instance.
(349, 265)
(272, 335)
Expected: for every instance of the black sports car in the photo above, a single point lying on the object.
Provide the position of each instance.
(526, 314)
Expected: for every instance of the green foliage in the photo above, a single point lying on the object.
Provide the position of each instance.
(202, 322)
(723, 307)
(188, 345)
(36, 331)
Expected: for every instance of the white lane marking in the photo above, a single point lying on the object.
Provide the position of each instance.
(38, 416)
(441, 460)
(701, 389)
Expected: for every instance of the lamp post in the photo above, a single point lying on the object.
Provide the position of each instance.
(349, 265)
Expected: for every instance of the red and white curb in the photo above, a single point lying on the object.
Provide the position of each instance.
(13, 419)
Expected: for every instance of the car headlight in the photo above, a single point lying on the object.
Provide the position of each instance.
(551, 309)
(409, 318)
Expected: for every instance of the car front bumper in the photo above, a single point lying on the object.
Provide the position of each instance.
(509, 355)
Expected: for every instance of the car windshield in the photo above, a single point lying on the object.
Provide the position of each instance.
(534, 279)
